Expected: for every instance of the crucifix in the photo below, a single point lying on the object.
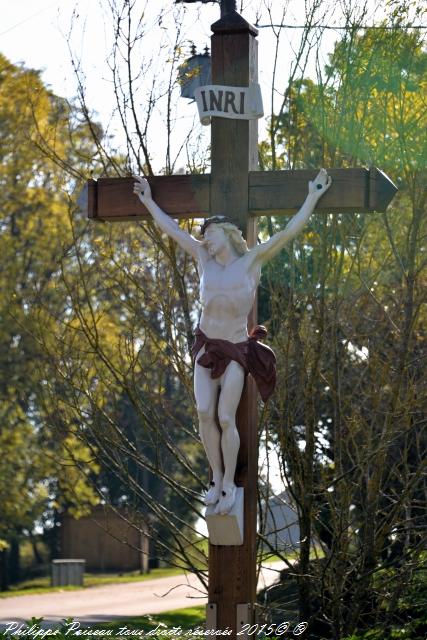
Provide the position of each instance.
(236, 189)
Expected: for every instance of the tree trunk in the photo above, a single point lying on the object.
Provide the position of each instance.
(4, 570)
(14, 561)
(37, 556)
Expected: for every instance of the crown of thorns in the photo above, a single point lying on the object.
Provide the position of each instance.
(216, 220)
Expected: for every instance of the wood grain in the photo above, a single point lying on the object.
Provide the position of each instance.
(234, 150)
(232, 570)
(92, 198)
(185, 196)
(279, 192)
(381, 190)
(354, 190)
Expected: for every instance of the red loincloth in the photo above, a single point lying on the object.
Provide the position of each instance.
(255, 358)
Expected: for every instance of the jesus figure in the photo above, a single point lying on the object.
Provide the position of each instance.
(224, 352)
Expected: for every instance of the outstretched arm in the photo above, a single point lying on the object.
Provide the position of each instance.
(142, 189)
(267, 250)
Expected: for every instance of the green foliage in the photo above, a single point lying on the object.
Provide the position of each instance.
(347, 307)
(377, 105)
(43, 466)
(96, 338)
(121, 354)
(100, 316)
(369, 109)
(409, 620)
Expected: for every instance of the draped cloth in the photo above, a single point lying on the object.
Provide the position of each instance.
(255, 358)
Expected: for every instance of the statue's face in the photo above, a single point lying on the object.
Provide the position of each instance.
(215, 239)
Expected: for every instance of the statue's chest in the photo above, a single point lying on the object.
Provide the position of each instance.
(233, 279)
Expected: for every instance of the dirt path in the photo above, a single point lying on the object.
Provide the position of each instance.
(110, 602)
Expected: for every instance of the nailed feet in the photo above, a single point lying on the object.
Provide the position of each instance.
(227, 499)
(221, 494)
(213, 493)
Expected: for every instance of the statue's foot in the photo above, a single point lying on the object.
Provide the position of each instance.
(213, 493)
(227, 499)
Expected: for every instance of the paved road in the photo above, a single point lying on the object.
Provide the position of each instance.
(110, 602)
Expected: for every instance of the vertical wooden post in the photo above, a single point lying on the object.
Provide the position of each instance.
(234, 142)
(227, 6)
(232, 570)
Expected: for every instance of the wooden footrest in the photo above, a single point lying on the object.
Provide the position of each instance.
(226, 530)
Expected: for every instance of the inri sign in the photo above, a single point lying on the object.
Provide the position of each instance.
(242, 103)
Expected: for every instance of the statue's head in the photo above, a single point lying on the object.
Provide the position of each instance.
(219, 229)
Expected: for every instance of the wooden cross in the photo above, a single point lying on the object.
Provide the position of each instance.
(237, 189)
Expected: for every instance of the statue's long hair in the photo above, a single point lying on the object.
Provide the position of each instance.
(235, 236)
(231, 230)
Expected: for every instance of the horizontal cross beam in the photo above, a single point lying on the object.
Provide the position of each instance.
(270, 193)
(182, 196)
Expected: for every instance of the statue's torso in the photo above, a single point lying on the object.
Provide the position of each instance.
(227, 294)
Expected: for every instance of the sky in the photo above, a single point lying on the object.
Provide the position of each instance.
(46, 34)
(36, 32)
(43, 35)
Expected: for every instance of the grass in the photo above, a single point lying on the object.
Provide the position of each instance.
(187, 618)
(42, 585)
(168, 625)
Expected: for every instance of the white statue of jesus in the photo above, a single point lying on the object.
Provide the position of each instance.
(229, 276)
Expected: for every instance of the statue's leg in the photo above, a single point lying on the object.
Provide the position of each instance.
(206, 393)
(232, 382)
